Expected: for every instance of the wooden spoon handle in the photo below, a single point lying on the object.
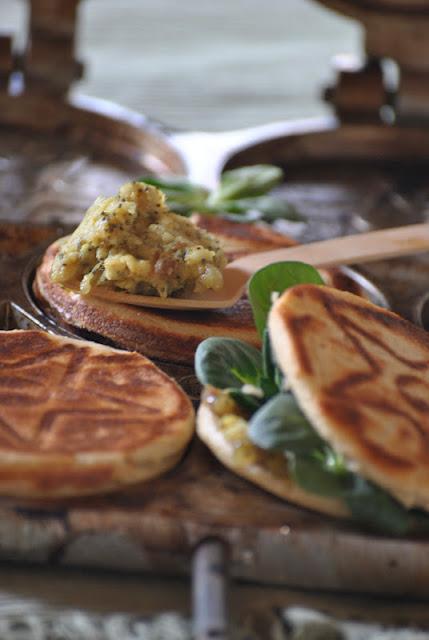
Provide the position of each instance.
(363, 247)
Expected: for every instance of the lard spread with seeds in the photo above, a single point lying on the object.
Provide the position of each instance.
(132, 242)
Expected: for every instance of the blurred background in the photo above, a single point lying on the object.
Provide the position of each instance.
(207, 65)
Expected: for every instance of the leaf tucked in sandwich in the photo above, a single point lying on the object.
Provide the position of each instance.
(226, 363)
(271, 281)
(280, 425)
(277, 425)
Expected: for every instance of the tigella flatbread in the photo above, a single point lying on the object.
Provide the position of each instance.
(169, 336)
(79, 418)
(332, 414)
(361, 376)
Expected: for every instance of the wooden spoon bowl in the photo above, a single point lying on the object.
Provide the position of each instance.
(354, 249)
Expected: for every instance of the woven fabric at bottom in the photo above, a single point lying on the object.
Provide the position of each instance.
(36, 622)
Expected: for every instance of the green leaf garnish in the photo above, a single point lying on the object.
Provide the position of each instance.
(277, 278)
(246, 182)
(182, 196)
(280, 425)
(173, 184)
(227, 363)
(268, 208)
(245, 400)
(272, 378)
(311, 473)
(375, 508)
(241, 195)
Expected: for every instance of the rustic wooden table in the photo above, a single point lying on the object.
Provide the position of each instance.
(193, 65)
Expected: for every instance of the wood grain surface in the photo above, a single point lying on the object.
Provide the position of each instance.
(154, 527)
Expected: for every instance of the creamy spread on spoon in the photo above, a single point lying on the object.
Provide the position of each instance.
(132, 242)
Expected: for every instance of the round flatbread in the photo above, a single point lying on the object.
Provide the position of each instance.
(226, 437)
(164, 335)
(79, 418)
(361, 375)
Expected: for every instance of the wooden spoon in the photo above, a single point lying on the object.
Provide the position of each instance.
(364, 247)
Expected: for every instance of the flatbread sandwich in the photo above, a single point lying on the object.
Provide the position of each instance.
(79, 418)
(333, 413)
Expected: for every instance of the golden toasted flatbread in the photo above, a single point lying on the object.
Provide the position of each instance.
(361, 375)
(79, 418)
(157, 334)
(241, 238)
(163, 335)
(226, 437)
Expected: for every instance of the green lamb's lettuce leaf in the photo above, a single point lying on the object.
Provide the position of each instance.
(269, 367)
(175, 184)
(369, 505)
(280, 425)
(183, 197)
(311, 473)
(226, 363)
(246, 182)
(268, 208)
(372, 506)
(246, 401)
(240, 195)
(274, 279)
(272, 378)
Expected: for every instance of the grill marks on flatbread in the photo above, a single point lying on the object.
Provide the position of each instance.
(79, 418)
(361, 375)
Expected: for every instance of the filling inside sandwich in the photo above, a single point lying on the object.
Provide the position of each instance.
(249, 391)
(132, 242)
